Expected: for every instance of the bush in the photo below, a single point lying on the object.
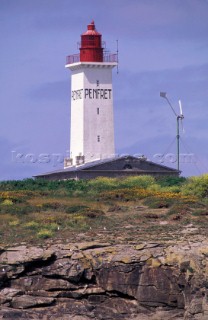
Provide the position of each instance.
(79, 185)
(17, 209)
(158, 202)
(75, 209)
(102, 184)
(14, 223)
(173, 189)
(43, 185)
(200, 212)
(52, 206)
(26, 184)
(32, 225)
(44, 234)
(138, 182)
(7, 202)
(196, 186)
(78, 223)
(53, 226)
(92, 213)
(179, 208)
(125, 194)
(171, 181)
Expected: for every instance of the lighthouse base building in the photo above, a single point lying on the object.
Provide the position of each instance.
(124, 166)
(92, 149)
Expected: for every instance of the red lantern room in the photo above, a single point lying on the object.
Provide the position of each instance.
(91, 45)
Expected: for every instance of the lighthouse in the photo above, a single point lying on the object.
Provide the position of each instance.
(92, 124)
(92, 151)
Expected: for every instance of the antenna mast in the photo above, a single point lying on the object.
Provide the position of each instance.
(117, 54)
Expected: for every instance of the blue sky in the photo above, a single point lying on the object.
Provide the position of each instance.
(163, 46)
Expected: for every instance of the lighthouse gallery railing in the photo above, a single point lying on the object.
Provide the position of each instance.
(107, 57)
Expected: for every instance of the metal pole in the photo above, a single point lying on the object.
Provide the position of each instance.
(178, 117)
(178, 137)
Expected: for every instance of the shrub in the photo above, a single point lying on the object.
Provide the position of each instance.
(79, 185)
(42, 185)
(15, 197)
(52, 226)
(102, 183)
(44, 234)
(171, 181)
(78, 223)
(174, 189)
(179, 208)
(14, 223)
(52, 205)
(76, 208)
(124, 194)
(78, 193)
(32, 225)
(7, 202)
(200, 212)
(17, 209)
(196, 186)
(132, 194)
(138, 182)
(158, 202)
(92, 213)
(152, 216)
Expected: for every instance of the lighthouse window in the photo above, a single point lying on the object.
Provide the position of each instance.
(91, 40)
(98, 110)
(98, 138)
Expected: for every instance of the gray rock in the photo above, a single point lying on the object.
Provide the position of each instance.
(99, 281)
(22, 254)
(66, 269)
(26, 301)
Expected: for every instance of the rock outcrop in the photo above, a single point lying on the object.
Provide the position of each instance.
(103, 281)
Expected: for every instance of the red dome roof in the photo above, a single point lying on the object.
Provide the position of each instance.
(91, 30)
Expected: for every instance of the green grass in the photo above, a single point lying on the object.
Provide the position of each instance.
(108, 210)
(158, 202)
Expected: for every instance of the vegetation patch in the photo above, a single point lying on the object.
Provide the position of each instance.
(152, 216)
(7, 202)
(52, 206)
(117, 210)
(196, 186)
(132, 194)
(92, 213)
(158, 202)
(76, 208)
(180, 208)
(166, 182)
(45, 234)
(14, 223)
(200, 212)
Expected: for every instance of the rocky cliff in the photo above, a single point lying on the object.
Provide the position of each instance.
(103, 281)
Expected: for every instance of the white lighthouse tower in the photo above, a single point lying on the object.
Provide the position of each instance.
(92, 125)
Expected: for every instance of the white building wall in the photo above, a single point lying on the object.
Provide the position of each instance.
(92, 125)
(98, 114)
(77, 117)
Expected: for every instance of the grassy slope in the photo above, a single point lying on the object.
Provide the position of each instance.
(128, 210)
